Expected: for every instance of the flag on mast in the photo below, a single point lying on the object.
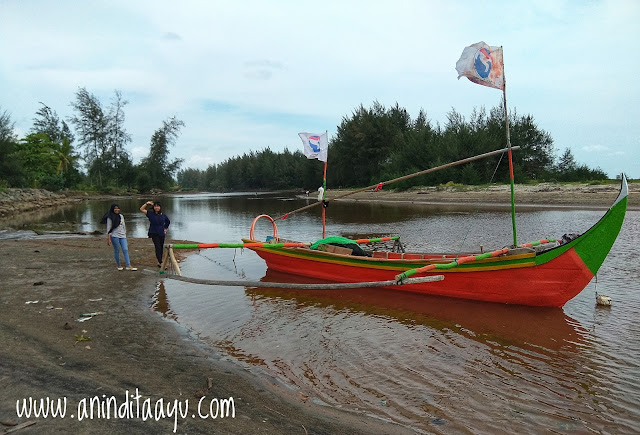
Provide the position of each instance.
(482, 64)
(315, 145)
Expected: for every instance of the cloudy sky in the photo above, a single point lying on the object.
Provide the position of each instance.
(246, 75)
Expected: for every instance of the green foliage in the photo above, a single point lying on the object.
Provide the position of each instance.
(158, 170)
(568, 170)
(263, 170)
(371, 145)
(102, 137)
(11, 171)
(90, 123)
(379, 144)
(6, 127)
(11, 174)
(52, 182)
(48, 122)
(37, 154)
(190, 179)
(392, 145)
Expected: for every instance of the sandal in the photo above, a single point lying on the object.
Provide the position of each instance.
(119, 267)
(131, 268)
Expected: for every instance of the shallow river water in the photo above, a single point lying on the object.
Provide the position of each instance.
(434, 364)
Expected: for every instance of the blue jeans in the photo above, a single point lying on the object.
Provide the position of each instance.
(118, 243)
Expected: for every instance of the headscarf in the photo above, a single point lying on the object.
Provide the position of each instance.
(115, 217)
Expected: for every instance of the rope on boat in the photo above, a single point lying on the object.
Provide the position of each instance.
(467, 259)
(328, 286)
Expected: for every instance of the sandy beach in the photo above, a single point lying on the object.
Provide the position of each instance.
(50, 283)
(125, 347)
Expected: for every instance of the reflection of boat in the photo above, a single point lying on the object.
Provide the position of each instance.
(545, 273)
(521, 326)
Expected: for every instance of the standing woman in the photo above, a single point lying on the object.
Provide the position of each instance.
(117, 235)
(158, 226)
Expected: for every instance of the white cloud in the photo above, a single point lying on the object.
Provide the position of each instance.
(270, 70)
(595, 148)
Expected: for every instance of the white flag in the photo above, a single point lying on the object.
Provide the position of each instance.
(482, 64)
(315, 145)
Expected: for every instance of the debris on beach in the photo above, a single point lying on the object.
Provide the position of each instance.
(80, 338)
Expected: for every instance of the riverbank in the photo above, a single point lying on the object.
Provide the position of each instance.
(14, 201)
(543, 194)
(125, 346)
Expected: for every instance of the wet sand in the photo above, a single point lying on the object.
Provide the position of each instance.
(131, 347)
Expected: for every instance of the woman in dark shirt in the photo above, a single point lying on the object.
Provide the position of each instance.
(158, 226)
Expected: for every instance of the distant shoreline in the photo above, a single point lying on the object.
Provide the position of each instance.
(14, 201)
(543, 194)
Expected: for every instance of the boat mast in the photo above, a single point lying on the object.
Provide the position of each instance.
(324, 193)
(506, 122)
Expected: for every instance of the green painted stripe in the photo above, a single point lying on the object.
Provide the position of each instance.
(601, 237)
(594, 245)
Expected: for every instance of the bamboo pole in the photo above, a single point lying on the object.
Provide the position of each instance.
(328, 286)
(169, 257)
(165, 257)
(324, 194)
(174, 262)
(506, 123)
(405, 177)
(266, 244)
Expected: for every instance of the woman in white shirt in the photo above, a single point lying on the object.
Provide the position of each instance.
(117, 236)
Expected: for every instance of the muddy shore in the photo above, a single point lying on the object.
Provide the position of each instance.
(49, 283)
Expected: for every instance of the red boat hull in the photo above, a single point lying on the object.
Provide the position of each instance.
(550, 284)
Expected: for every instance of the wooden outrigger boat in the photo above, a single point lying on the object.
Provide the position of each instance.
(544, 273)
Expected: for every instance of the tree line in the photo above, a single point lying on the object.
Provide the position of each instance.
(371, 145)
(377, 144)
(92, 155)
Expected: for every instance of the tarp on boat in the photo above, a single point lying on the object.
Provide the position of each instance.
(342, 242)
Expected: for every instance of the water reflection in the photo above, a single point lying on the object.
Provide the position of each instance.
(420, 361)
(160, 302)
(547, 328)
